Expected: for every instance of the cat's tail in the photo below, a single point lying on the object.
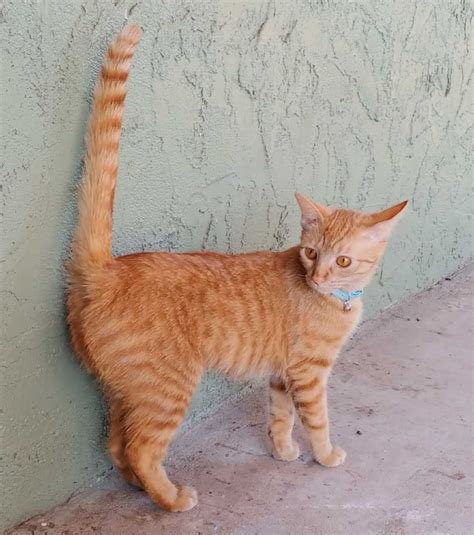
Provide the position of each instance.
(92, 245)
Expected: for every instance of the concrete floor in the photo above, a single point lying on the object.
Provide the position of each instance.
(401, 403)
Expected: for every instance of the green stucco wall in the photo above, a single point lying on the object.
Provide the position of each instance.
(233, 105)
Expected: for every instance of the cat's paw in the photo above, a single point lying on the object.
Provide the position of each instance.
(286, 452)
(335, 458)
(186, 499)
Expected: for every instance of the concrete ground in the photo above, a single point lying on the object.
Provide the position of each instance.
(401, 404)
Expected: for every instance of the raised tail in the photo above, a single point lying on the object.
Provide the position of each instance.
(92, 245)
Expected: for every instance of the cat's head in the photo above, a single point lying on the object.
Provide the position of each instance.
(340, 249)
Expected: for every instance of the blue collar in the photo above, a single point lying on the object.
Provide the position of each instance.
(346, 297)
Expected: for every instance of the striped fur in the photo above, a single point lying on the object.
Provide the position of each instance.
(93, 239)
(148, 325)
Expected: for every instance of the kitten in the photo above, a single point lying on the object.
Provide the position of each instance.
(148, 325)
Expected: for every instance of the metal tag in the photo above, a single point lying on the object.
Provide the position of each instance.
(347, 306)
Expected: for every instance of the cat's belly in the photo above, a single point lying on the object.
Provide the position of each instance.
(243, 355)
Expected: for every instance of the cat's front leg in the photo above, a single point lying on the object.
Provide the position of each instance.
(307, 380)
(282, 419)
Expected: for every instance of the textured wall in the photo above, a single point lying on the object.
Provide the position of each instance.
(233, 105)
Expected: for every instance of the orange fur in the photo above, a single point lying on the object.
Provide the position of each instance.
(148, 325)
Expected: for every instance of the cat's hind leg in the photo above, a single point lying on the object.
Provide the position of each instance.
(117, 443)
(157, 407)
(282, 419)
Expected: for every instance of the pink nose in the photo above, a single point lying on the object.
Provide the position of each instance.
(318, 279)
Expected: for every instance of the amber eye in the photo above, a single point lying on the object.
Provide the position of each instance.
(310, 253)
(343, 261)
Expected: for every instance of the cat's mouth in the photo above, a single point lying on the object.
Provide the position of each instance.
(324, 289)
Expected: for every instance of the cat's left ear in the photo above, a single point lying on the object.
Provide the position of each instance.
(380, 225)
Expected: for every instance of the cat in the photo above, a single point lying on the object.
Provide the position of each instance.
(147, 325)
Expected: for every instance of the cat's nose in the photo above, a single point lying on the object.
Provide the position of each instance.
(318, 279)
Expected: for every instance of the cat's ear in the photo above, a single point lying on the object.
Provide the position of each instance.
(311, 212)
(380, 225)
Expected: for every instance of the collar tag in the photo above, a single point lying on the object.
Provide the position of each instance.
(346, 297)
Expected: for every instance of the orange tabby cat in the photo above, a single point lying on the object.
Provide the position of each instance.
(148, 325)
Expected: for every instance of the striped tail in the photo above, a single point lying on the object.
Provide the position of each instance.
(92, 245)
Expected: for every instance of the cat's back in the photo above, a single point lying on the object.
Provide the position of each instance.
(214, 269)
(199, 280)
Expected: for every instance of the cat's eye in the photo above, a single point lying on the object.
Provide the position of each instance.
(310, 253)
(343, 261)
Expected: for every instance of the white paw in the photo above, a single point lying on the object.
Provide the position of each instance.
(186, 499)
(286, 452)
(335, 458)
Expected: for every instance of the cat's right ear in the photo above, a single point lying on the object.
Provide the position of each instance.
(311, 213)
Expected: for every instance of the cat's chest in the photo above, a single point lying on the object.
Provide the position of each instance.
(328, 327)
